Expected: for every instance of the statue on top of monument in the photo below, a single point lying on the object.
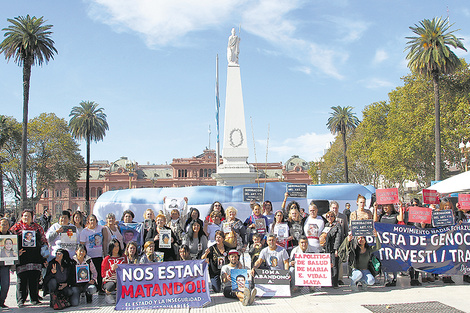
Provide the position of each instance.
(233, 48)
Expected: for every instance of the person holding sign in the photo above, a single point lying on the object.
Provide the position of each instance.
(313, 227)
(303, 247)
(149, 255)
(60, 277)
(82, 259)
(333, 240)
(361, 213)
(210, 228)
(91, 237)
(256, 222)
(29, 269)
(280, 229)
(154, 234)
(246, 297)
(5, 269)
(235, 232)
(56, 238)
(359, 253)
(389, 216)
(216, 256)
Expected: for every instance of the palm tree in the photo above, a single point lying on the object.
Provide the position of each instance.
(88, 122)
(341, 121)
(28, 42)
(429, 55)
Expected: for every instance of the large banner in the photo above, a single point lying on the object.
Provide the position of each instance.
(179, 284)
(442, 250)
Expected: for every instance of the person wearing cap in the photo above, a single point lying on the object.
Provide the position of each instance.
(276, 257)
(247, 296)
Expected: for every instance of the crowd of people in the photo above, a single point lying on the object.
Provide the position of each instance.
(271, 238)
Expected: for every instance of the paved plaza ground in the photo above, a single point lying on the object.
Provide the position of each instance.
(343, 299)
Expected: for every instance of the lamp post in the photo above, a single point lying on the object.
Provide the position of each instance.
(465, 150)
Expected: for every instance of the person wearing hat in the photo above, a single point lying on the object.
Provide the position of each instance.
(247, 297)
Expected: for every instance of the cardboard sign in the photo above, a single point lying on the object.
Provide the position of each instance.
(8, 249)
(253, 193)
(430, 196)
(464, 202)
(419, 215)
(387, 196)
(272, 283)
(164, 238)
(239, 279)
(260, 225)
(442, 218)
(82, 273)
(313, 269)
(362, 227)
(297, 190)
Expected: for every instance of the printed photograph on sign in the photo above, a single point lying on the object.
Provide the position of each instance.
(28, 238)
(164, 238)
(260, 225)
(69, 234)
(226, 227)
(8, 249)
(239, 279)
(159, 256)
(83, 273)
(131, 232)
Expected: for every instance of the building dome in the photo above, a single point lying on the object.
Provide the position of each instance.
(121, 165)
(296, 164)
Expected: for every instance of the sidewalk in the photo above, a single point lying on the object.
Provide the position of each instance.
(328, 300)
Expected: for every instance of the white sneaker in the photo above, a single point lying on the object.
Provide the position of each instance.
(252, 297)
(246, 296)
(109, 299)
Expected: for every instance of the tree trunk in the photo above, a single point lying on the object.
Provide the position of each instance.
(346, 177)
(437, 126)
(2, 197)
(87, 185)
(24, 136)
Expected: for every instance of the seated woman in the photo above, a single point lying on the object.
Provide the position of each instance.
(217, 256)
(149, 255)
(358, 252)
(196, 240)
(108, 269)
(60, 277)
(88, 287)
(132, 253)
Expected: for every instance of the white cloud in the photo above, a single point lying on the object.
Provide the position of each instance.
(375, 82)
(350, 30)
(304, 69)
(172, 23)
(380, 56)
(309, 146)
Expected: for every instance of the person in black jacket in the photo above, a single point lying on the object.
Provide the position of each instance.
(154, 234)
(60, 277)
(333, 241)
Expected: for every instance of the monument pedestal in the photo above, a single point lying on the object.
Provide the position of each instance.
(235, 169)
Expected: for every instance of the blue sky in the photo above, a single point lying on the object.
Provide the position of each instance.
(151, 66)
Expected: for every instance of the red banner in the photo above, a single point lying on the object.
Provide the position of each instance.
(387, 196)
(464, 202)
(430, 196)
(417, 214)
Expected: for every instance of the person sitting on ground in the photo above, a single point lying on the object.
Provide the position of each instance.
(247, 297)
(303, 247)
(60, 277)
(108, 269)
(184, 254)
(216, 256)
(81, 258)
(132, 253)
(358, 253)
(149, 255)
(275, 257)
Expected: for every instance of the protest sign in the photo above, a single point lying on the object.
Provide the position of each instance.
(430, 196)
(297, 190)
(442, 218)
(313, 269)
(387, 196)
(433, 250)
(419, 215)
(164, 238)
(260, 225)
(131, 232)
(82, 273)
(28, 238)
(253, 193)
(464, 202)
(362, 227)
(8, 249)
(239, 279)
(179, 284)
(272, 283)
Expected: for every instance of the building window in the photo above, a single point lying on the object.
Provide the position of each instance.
(45, 194)
(99, 191)
(205, 172)
(201, 173)
(93, 192)
(58, 193)
(209, 173)
(80, 192)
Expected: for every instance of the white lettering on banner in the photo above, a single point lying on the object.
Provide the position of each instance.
(169, 272)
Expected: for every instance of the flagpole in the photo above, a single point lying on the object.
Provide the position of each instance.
(217, 106)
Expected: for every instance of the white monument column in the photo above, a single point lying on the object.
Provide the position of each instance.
(235, 169)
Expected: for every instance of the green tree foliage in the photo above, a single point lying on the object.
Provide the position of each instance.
(28, 42)
(53, 155)
(88, 122)
(429, 55)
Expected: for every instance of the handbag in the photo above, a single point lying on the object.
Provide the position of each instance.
(374, 266)
(231, 240)
(59, 301)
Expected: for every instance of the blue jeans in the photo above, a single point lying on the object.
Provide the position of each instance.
(4, 283)
(215, 282)
(362, 276)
